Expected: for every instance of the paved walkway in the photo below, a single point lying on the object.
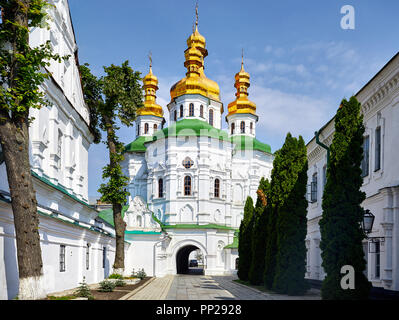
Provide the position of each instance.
(191, 287)
(155, 290)
(194, 287)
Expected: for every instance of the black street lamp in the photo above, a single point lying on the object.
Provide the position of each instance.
(368, 221)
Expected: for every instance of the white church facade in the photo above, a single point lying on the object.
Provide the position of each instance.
(75, 242)
(189, 181)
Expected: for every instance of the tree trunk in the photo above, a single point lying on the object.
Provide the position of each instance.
(14, 138)
(15, 143)
(119, 263)
(120, 226)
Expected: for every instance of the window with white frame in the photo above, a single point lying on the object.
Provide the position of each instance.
(313, 188)
(366, 156)
(62, 258)
(88, 256)
(377, 149)
(59, 148)
(104, 256)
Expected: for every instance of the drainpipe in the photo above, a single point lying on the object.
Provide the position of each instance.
(323, 146)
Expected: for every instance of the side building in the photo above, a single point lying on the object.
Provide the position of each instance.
(75, 242)
(380, 169)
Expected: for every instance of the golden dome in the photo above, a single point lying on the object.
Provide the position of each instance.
(150, 88)
(195, 81)
(242, 104)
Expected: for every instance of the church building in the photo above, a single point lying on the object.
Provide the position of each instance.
(189, 181)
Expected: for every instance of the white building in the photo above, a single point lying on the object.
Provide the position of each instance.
(189, 182)
(75, 242)
(380, 108)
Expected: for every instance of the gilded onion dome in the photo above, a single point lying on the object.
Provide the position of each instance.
(242, 104)
(150, 88)
(195, 81)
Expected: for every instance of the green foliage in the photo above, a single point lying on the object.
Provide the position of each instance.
(120, 283)
(115, 276)
(111, 98)
(22, 69)
(83, 290)
(61, 298)
(340, 226)
(291, 222)
(139, 274)
(245, 240)
(107, 286)
(259, 235)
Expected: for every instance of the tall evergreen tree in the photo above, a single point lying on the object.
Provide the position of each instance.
(245, 241)
(291, 222)
(340, 226)
(259, 234)
(116, 96)
(22, 71)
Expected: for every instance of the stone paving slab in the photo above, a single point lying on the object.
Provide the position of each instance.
(156, 290)
(189, 287)
(243, 292)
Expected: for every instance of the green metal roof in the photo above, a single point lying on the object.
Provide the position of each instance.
(61, 188)
(196, 128)
(233, 245)
(108, 215)
(249, 143)
(76, 224)
(138, 144)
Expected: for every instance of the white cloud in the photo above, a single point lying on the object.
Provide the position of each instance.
(281, 112)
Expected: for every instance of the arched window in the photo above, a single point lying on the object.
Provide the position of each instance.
(242, 127)
(211, 117)
(146, 128)
(201, 111)
(233, 128)
(181, 111)
(191, 110)
(160, 188)
(155, 127)
(187, 186)
(217, 188)
(252, 127)
(175, 115)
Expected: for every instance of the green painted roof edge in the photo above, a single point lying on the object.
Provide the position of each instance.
(142, 232)
(73, 223)
(108, 215)
(198, 226)
(62, 189)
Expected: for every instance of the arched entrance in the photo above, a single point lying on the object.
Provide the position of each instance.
(186, 266)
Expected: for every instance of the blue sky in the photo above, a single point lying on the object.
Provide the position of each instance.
(301, 62)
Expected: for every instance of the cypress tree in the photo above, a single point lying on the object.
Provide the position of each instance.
(291, 221)
(259, 234)
(340, 226)
(245, 241)
(271, 238)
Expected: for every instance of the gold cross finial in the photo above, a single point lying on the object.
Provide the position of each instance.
(150, 57)
(196, 15)
(242, 59)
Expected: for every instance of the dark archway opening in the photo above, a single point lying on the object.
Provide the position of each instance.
(183, 265)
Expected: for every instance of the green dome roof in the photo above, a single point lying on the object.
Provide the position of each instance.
(196, 128)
